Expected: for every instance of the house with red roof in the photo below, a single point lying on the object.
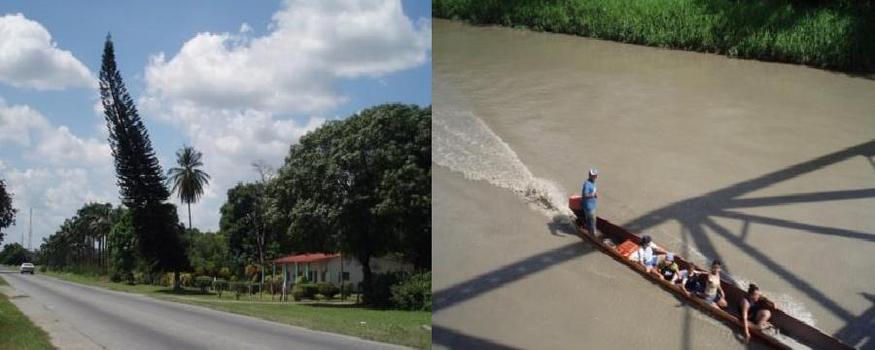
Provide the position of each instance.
(334, 268)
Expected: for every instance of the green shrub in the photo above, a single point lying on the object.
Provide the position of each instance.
(328, 290)
(219, 286)
(273, 284)
(297, 292)
(185, 279)
(203, 283)
(413, 293)
(115, 277)
(225, 273)
(139, 278)
(301, 279)
(251, 271)
(238, 288)
(42, 268)
(348, 288)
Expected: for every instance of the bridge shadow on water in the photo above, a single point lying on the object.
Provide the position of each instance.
(695, 216)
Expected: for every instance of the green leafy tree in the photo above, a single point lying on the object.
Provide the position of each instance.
(248, 238)
(15, 254)
(188, 180)
(123, 241)
(208, 253)
(7, 212)
(140, 179)
(361, 186)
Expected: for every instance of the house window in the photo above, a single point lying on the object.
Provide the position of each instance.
(346, 276)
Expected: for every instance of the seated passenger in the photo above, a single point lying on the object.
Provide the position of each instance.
(645, 254)
(713, 294)
(668, 269)
(752, 311)
(693, 283)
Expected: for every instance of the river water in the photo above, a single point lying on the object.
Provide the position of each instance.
(768, 167)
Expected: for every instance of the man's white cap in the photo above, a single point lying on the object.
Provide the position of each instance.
(593, 172)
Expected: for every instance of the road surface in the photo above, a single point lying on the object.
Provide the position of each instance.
(81, 317)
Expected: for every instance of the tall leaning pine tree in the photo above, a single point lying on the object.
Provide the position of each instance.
(140, 179)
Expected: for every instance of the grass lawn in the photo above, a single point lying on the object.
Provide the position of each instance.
(16, 330)
(389, 326)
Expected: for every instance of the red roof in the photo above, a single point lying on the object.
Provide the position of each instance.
(304, 258)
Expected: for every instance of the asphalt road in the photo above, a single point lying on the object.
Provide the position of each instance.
(97, 318)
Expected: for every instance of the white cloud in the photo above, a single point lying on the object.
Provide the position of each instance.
(19, 123)
(23, 126)
(292, 68)
(228, 92)
(30, 58)
(54, 194)
(64, 170)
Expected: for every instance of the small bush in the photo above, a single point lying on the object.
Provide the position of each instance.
(328, 290)
(301, 279)
(185, 279)
(203, 283)
(225, 273)
(42, 268)
(348, 288)
(273, 284)
(238, 288)
(139, 278)
(219, 286)
(251, 271)
(413, 293)
(297, 292)
(115, 277)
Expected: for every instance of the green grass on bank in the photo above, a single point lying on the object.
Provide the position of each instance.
(839, 35)
(16, 330)
(389, 326)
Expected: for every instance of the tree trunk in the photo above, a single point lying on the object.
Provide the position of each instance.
(367, 277)
(176, 286)
(189, 216)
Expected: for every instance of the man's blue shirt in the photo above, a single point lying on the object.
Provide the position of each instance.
(589, 188)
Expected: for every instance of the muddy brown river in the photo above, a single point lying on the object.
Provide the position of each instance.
(768, 167)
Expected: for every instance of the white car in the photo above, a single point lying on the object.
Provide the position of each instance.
(26, 267)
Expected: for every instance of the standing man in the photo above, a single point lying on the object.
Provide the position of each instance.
(590, 193)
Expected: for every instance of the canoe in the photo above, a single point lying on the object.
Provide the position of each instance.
(614, 236)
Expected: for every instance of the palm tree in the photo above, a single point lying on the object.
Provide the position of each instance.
(188, 180)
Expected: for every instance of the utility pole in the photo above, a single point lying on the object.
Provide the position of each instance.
(30, 231)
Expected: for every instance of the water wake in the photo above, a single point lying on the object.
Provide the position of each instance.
(463, 143)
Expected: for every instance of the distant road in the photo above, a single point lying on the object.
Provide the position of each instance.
(92, 317)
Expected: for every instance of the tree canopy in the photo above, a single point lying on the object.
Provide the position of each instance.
(7, 212)
(140, 179)
(188, 180)
(361, 186)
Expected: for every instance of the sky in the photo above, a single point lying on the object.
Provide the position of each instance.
(240, 81)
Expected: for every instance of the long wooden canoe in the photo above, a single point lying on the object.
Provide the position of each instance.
(613, 236)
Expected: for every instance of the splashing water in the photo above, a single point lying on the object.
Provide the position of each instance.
(465, 144)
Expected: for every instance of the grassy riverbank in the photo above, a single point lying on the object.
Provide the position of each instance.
(409, 328)
(16, 330)
(836, 36)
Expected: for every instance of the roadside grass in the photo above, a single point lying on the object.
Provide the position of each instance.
(408, 328)
(835, 34)
(16, 330)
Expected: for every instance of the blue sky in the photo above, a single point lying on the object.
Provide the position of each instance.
(239, 80)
